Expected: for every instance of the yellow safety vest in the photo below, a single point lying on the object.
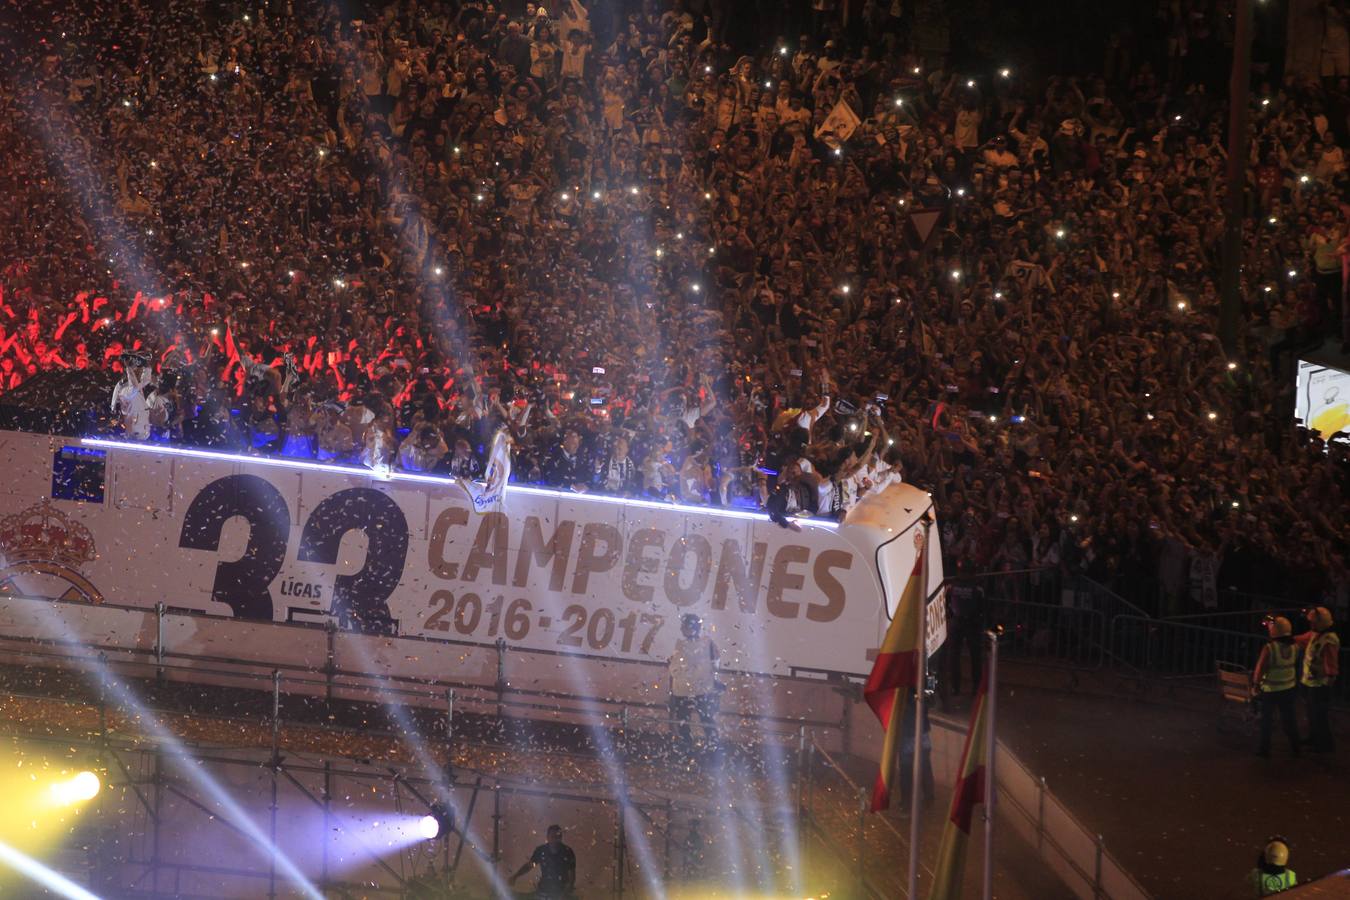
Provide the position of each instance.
(1280, 674)
(1267, 885)
(1313, 674)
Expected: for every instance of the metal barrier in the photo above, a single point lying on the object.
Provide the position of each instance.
(833, 812)
(1177, 650)
(1071, 850)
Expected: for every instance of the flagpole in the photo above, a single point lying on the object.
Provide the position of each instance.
(920, 682)
(991, 745)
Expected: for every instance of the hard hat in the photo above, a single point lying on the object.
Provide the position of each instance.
(1279, 627)
(1277, 853)
(1319, 618)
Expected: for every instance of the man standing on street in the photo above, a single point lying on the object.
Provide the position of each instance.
(1321, 665)
(1274, 679)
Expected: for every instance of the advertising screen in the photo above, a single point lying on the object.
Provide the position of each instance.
(1323, 399)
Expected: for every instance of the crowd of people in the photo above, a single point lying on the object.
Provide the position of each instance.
(778, 276)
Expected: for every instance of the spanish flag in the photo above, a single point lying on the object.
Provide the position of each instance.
(968, 793)
(894, 675)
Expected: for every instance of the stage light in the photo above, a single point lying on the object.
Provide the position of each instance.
(1181, 304)
(1303, 179)
(1211, 416)
(84, 786)
(899, 101)
(782, 51)
(960, 192)
(970, 83)
(595, 195)
(1232, 366)
(428, 827)
(439, 271)
(566, 196)
(916, 70)
(1005, 73)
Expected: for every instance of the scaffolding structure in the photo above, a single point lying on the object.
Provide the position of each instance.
(158, 832)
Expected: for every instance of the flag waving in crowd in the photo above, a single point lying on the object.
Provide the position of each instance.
(968, 793)
(895, 674)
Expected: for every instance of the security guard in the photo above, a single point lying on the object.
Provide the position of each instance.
(1272, 874)
(1321, 665)
(1274, 679)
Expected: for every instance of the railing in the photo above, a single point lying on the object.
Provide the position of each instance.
(833, 811)
(1173, 650)
(1069, 848)
(324, 661)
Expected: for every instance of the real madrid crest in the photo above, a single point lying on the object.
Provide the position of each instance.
(41, 552)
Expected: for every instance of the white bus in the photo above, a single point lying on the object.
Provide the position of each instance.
(401, 560)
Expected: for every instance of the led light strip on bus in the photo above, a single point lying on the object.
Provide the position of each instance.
(390, 475)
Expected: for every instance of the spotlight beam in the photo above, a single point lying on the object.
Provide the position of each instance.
(337, 823)
(35, 871)
(105, 680)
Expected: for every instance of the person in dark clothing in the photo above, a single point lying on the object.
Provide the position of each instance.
(514, 50)
(564, 467)
(966, 613)
(557, 867)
